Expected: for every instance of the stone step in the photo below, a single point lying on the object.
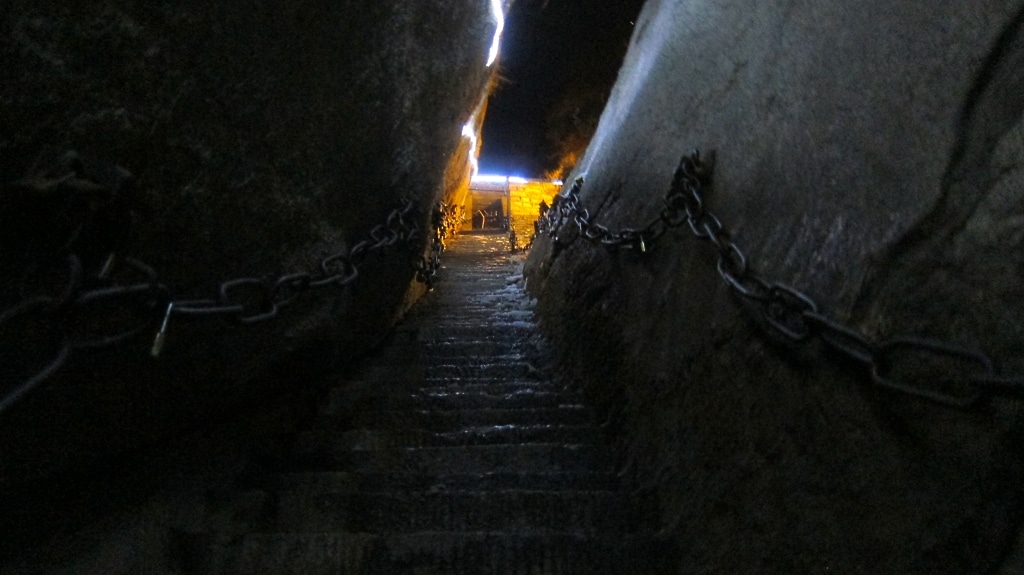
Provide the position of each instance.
(511, 511)
(487, 316)
(509, 364)
(469, 304)
(472, 459)
(370, 439)
(431, 382)
(447, 395)
(440, 553)
(470, 289)
(496, 315)
(471, 348)
(456, 397)
(481, 368)
(499, 353)
(498, 387)
(500, 332)
(489, 325)
(456, 310)
(457, 420)
(473, 303)
(346, 482)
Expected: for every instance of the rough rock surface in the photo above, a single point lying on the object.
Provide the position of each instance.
(870, 155)
(261, 136)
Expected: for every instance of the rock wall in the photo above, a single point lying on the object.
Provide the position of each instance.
(870, 156)
(260, 137)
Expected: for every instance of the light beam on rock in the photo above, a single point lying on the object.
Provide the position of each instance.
(499, 20)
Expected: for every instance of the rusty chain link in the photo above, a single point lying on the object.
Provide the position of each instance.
(935, 370)
(127, 299)
(444, 222)
(513, 241)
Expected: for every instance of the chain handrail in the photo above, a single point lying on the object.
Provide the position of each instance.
(127, 297)
(928, 368)
(513, 240)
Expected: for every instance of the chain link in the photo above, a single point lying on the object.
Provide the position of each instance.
(444, 222)
(513, 241)
(930, 369)
(126, 298)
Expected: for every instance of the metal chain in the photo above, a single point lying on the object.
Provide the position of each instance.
(127, 299)
(445, 223)
(935, 370)
(513, 241)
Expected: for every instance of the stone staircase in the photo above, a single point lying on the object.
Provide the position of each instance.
(447, 452)
(450, 453)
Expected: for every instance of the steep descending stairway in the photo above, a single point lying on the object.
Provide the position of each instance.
(449, 454)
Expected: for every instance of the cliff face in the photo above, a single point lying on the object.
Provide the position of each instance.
(870, 157)
(213, 142)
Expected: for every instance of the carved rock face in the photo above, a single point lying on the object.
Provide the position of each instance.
(261, 137)
(870, 157)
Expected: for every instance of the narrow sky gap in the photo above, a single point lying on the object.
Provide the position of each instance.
(558, 61)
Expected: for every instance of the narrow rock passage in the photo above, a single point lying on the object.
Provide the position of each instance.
(451, 453)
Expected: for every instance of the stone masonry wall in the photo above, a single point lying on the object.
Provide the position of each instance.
(524, 205)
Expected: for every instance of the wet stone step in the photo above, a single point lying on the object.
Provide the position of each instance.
(471, 286)
(507, 332)
(544, 394)
(466, 305)
(451, 398)
(497, 311)
(500, 327)
(345, 482)
(462, 396)
(431, 382)
(483, 368)
(506, 314)
(466, 272)
(366, 439)
(474, 302)
(482, 319)
(466, 288)
(511, 554)
(507, 309)
(447, 395)
(498, 387)
(455, 301)
(534, 457)
(455, 420)
(407, 512)
(500, 354)
(471, 348)
(439, 553)
(511, 331)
